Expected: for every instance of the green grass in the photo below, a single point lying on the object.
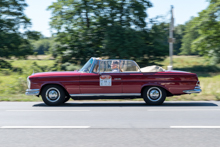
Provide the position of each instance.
(13, 84)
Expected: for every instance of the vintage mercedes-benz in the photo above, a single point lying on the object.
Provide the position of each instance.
(101, 79)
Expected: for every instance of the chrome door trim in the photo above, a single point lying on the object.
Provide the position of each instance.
(93, 64)
(107, 94)
(117, 78)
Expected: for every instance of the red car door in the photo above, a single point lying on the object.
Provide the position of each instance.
(132, 82)
(94, 83)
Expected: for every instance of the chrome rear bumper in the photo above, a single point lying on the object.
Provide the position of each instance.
(197, 89)
(32, 92)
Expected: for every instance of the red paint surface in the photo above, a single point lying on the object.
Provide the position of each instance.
(76, 82)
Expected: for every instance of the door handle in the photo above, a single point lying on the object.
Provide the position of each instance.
(117, 78)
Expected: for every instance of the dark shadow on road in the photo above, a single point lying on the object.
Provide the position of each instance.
(130, 104)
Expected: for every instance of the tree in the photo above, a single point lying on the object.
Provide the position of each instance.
(179, 32)
(208, 22)
(190, 34)
(114, 29)
(42, 46)
(12, 18)
(33, 35)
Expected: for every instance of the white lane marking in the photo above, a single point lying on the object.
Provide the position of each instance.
(44, 127)
(183, 110)
(44, 110)
(196, 127)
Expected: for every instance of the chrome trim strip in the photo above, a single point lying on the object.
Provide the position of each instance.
(107, 94)
(32, 92)
(196, 90)
(197, 87)
(93, 64)
(120, 63)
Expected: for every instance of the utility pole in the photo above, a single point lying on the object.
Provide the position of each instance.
(171, 40)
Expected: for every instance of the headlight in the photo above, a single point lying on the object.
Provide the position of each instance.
(28, 83)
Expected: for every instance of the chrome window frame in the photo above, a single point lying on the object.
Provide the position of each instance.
(93, 64)
(119, 64)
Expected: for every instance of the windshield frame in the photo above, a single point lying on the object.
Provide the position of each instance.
(95, 60)
(92, 65)
(139, 70)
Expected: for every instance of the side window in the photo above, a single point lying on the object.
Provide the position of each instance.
(129, 66)
(96, 67)
(109, 66)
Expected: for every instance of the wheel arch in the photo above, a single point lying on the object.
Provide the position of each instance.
(167, 91)
(67, 94)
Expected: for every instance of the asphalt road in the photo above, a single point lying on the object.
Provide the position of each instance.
(107, 123)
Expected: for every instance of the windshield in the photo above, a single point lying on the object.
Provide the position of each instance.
(87, 66)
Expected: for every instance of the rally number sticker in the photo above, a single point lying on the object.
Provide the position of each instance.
(105, 80)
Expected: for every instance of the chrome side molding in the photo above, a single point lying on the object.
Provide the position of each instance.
(106, 94)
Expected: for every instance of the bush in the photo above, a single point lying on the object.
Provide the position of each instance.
(5, 64)
(69, 67)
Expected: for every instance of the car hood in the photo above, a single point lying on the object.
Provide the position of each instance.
(55, 74)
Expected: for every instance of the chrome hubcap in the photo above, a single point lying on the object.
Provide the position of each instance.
(52, 94)
(154, 94)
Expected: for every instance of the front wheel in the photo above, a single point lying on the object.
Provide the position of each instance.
(154, 95)
(67, 98)
(53, 95)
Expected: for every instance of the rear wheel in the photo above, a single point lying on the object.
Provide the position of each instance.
(53, 95)
(154, 95)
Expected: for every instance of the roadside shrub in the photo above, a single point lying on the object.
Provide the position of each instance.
(4, 64)
(38, 68)
(72, 68)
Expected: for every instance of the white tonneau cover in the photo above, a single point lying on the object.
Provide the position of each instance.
(153, 68)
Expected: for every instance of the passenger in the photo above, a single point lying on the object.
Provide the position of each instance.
(115, 66)
(96, 67)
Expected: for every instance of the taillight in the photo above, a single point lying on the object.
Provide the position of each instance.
(198, 85)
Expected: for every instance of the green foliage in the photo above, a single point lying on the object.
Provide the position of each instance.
(69, 67)
(42, 46)
(5, 64)
(13, 79)
(33, 35)
(190, 34)
(113, 29)
(12, 18)
(202, 33)
(179, 32)
(209, 41)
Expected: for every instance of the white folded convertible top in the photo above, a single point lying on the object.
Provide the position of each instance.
(153, 68)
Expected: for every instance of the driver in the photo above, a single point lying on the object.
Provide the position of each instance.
(115, 66)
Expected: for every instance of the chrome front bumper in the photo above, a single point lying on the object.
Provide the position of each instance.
(32, 92)
(197, 89)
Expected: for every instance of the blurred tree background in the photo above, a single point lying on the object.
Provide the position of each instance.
(112, 29)
(12, 18)
(106, 28)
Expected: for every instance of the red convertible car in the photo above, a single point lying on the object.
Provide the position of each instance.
(101, 79)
